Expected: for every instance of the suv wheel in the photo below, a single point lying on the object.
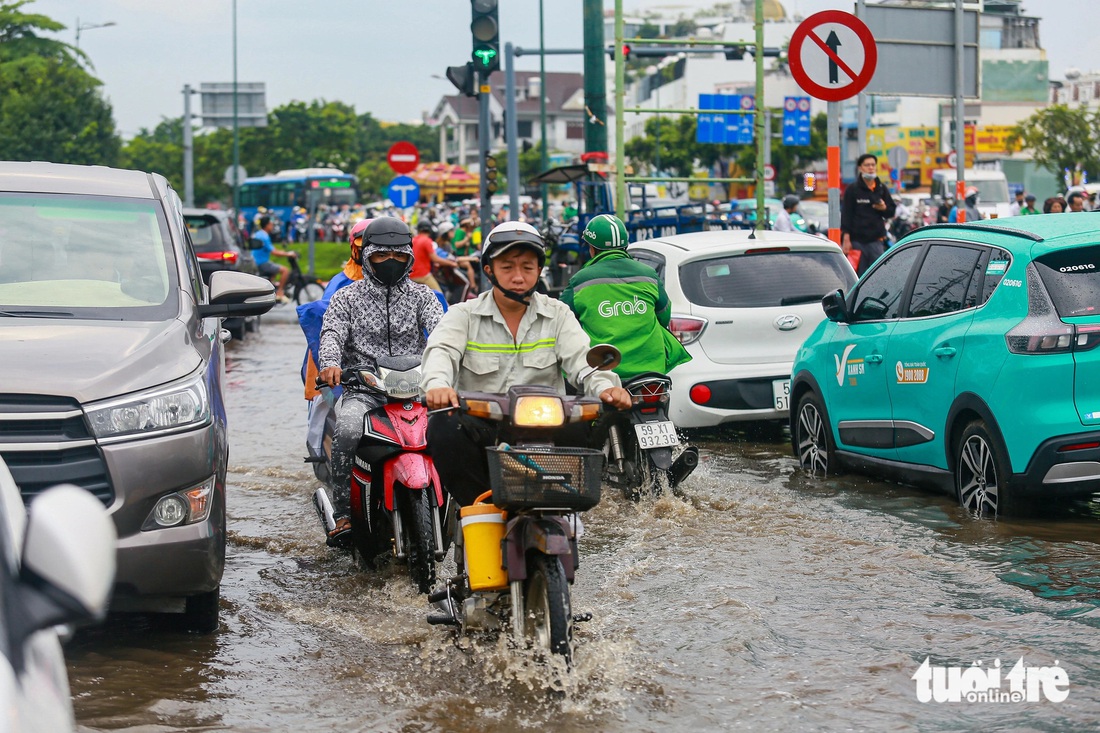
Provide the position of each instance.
(980, 471)
(813, 440)
(200, 615)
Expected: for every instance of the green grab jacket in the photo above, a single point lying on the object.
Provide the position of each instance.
(622, 302)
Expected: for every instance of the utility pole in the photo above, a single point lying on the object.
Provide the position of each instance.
(188, 150)
(595, 79)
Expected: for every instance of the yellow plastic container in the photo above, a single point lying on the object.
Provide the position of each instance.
(482, 532)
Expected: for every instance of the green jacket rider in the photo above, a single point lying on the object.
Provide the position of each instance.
(622, 302)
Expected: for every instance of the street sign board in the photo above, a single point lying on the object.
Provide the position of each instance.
(832, 55)
(796, 121)
(953, 159)
(916, 51)
(897, 157)
(403, 157)
(721, 128)
(403, 192)
(217, 104)
(241, 175)
(769, 172)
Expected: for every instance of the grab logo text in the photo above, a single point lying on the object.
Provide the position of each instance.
(607, 309)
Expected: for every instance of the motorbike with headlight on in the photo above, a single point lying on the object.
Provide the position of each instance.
(397, 501)
(516, 545)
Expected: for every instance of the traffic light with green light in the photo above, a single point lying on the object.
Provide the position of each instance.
(485, 28)
(491, 174)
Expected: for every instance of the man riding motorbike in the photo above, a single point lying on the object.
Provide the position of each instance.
(506, 336)
(621, 301)
(384, 314)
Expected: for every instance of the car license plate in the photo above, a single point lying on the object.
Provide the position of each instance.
(781, 391)
(656, 434)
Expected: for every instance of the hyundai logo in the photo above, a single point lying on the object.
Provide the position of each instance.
(788, 322)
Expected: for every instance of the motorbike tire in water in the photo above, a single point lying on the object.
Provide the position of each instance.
(654, 480)
(548, 621)
(419, 538)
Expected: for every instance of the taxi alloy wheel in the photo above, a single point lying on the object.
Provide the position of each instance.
(979, 472)
(813, 440)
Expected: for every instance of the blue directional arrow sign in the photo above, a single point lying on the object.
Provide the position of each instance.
(403, 191)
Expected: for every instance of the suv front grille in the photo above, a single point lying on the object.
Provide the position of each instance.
(45, 441)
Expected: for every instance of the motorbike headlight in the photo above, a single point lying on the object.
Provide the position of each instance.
(176, 406)
(403, 385)
(538, 411)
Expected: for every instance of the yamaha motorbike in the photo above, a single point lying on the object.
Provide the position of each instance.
(397, 501)
(641, 441)
(516, 546)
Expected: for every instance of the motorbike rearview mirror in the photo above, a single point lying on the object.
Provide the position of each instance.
(603, 357)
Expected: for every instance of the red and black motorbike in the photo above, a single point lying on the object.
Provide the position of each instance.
(397, 500)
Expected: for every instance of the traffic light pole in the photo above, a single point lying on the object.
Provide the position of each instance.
(512, 130)
(485, 212)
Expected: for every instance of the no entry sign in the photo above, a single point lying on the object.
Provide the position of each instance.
(832, 55)
(403, 157)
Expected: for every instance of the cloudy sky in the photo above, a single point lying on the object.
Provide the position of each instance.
(377, 55)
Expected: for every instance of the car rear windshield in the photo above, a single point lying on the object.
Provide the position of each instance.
(96, 257)
(764, 279)
(206, 234)
(1072, 277)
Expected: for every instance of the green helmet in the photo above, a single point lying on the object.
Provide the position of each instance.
(606, 232)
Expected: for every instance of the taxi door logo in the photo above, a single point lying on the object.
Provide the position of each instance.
(911, 372)
(853, 367)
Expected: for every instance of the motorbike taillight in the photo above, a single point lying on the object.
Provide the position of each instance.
(651, 392)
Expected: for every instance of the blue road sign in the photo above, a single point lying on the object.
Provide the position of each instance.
(403, 191)
(796, 121)
(720, 128)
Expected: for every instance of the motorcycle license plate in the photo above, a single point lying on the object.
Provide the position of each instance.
(656, 434)
(781, 391)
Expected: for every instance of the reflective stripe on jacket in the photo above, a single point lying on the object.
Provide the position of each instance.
(472, 350)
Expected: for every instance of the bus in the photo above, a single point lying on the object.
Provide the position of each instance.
(305, 187)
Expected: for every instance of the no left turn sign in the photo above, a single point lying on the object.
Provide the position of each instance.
(832, 55)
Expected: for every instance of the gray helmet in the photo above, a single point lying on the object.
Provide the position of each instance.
(790, 200)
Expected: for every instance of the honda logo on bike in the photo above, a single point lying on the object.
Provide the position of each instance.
(788, 322)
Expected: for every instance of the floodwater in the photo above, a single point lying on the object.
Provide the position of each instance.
(763, 601)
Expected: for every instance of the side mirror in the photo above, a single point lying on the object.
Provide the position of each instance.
(834, 306)
(68, 563)
(238, 294)
(603, 357)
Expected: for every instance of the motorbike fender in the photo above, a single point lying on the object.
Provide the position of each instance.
(415, 471)
(661, 457)
(547, 535)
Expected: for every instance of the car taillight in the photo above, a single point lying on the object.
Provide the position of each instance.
(687, 329)
(1042, 331)
(226, 257)
(1079, 446)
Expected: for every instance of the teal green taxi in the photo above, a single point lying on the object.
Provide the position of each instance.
(965, 360)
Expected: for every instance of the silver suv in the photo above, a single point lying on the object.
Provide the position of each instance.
(112, 371)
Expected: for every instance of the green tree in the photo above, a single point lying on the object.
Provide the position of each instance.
(51, 109)
(1060, 137)
(20, 35)
(50, 106)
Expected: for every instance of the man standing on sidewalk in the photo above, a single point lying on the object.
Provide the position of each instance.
(866, 208)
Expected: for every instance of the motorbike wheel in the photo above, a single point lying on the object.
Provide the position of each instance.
(549, 619)
(654, 480)
(308, 292)
(420, 539)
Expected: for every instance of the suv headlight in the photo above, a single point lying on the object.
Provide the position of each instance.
(164, 409)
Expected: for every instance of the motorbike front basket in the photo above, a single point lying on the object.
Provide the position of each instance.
(545, 478)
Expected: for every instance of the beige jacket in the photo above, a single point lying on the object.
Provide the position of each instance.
(472, 350)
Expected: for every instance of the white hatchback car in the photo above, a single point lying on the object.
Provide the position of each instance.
(742, 304)
(57, 564)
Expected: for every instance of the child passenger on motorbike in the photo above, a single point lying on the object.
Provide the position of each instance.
(622, 302)
(384, 314)
(508, 335)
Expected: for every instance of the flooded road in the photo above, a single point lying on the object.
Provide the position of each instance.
(764, 601)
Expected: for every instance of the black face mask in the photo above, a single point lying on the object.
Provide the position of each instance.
(389, 272)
